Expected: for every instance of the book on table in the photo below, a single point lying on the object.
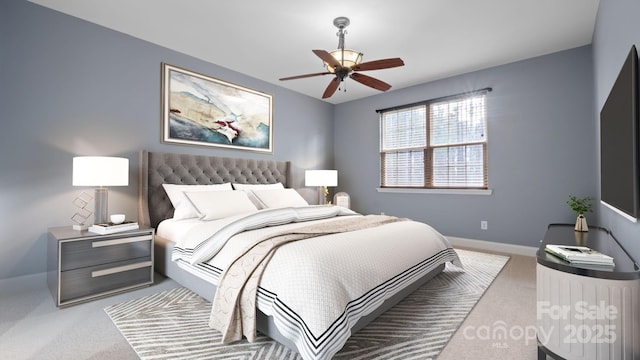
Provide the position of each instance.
(579, 255)
(110, 228)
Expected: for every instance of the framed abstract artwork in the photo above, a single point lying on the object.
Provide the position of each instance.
(201, 110)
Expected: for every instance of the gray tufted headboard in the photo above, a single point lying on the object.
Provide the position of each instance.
(158, 168)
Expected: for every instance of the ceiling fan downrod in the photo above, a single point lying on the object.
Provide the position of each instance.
(341, 23)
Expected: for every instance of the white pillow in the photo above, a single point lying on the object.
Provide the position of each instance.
(279, 198)
(183, 209)
(249, 187)
(257, 186)
(212, 205)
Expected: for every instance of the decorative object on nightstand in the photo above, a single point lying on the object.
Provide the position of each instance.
(83, 266)
(580, 206)
(80, 217)
(100, 171)
(117, 218)
(342, 199)
(322, 179)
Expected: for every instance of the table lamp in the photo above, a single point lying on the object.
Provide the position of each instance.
(322, 179)
(100, 171)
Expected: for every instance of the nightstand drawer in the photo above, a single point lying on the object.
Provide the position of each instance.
(103, 250)
(105, 278)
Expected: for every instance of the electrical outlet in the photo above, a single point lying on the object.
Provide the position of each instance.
(483, 224)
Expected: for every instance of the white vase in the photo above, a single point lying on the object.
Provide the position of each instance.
(581, 223)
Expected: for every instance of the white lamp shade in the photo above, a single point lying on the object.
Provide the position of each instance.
(100, 171)
(321, 178)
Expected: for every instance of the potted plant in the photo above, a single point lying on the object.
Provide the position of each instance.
(580, 206)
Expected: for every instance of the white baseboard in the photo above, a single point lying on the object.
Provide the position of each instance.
(493, 246)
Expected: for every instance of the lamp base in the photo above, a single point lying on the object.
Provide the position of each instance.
(322, 195)
(101, 214)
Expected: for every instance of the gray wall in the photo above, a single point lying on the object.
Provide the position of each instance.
(541, 149)
(617, 29)
(69, 87)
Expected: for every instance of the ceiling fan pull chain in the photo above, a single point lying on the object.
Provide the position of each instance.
(343, 86)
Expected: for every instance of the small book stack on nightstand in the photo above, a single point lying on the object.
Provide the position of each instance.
(111, 228)
(579, 255)
(83, 265)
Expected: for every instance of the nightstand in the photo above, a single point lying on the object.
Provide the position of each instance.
(83, 266)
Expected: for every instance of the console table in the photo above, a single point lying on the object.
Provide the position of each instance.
(583, 311)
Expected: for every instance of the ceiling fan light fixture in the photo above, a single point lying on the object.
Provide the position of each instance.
(348, 59)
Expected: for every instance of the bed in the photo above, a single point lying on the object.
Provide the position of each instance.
(294, 323)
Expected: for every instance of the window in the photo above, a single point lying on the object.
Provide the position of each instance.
(437, 144)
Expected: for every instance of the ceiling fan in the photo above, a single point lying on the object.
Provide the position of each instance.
(347, 63)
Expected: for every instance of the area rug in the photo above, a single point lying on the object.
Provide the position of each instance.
(173, 324)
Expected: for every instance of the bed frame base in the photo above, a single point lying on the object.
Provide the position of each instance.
(265, 323)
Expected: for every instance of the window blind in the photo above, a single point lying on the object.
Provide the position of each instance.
(436, 144)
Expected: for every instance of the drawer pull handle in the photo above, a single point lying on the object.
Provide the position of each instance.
(103, 243)
(118, 269)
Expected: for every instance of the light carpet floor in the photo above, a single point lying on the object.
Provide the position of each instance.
(173, 323)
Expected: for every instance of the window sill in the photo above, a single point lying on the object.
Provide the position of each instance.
(437, 191)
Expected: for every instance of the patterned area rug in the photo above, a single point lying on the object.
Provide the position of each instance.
(173, 324)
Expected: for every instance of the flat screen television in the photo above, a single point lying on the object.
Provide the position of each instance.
(619, 182)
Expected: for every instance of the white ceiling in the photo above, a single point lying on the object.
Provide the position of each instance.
(272, 39)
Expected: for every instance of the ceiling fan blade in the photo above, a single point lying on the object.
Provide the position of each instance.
(328, 58)
(333, 86)
(305, 76)
(379, 64)
(370, 82)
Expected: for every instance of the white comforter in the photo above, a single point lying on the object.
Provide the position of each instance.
(317, 289)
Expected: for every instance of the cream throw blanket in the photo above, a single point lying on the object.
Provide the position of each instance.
(233, 311)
